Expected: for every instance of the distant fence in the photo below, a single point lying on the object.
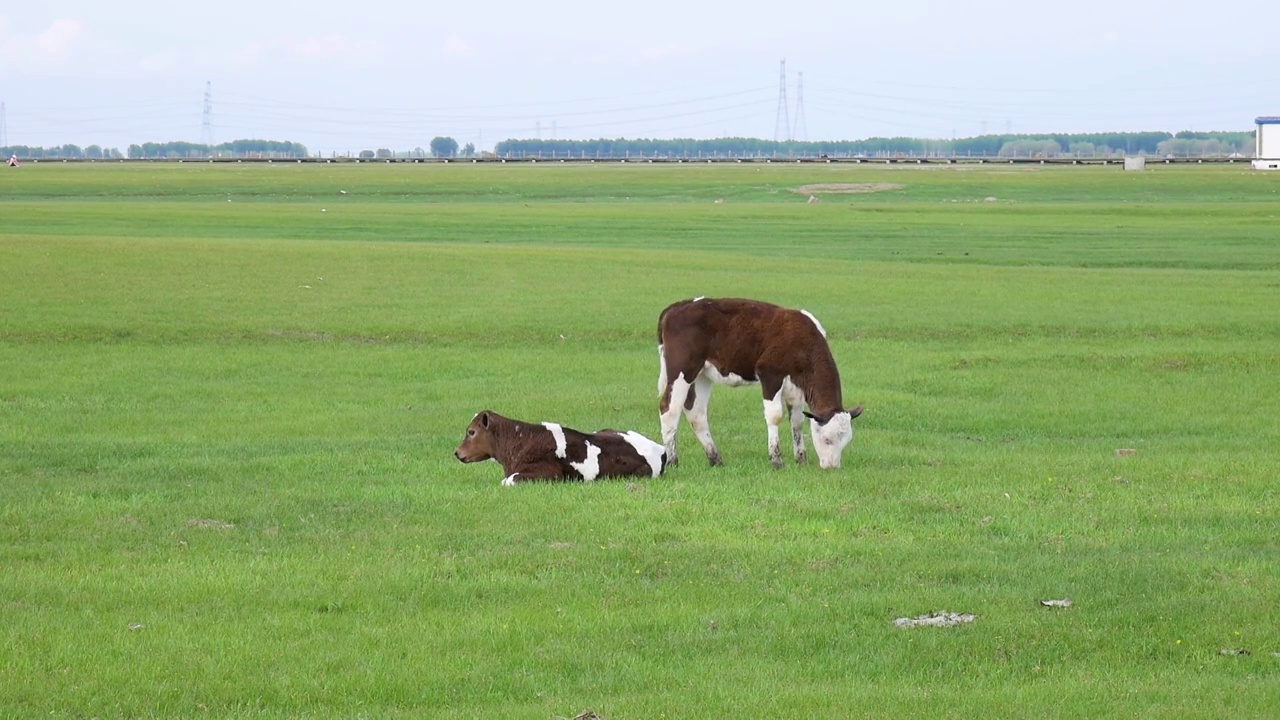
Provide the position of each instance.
(531, 160)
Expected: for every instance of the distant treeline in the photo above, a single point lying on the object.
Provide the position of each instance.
(92, 152)
(177, 150)
(1049, 145)
(1182, 144)
(235, 148)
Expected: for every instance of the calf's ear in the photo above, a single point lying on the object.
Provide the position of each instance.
(484, 419)
(855, 412)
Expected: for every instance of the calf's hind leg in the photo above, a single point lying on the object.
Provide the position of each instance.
(669, 415)
(696, 413)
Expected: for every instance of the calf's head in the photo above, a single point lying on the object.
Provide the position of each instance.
(831, 434)
(477, 441)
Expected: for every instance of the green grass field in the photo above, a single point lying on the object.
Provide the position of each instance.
(229, 396)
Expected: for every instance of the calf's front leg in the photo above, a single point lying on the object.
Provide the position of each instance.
(773, 412)
(797, 437)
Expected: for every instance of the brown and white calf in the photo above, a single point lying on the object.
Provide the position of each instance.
(547, 451)
(735, 342)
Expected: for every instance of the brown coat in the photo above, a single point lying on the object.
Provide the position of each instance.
(704, 342)
(757, 342)
(548, 451)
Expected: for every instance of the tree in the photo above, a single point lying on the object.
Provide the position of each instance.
(1083, 149)
(469, 150)
(1029, 148)
(262, 148)
(366, 154)
(444, 147)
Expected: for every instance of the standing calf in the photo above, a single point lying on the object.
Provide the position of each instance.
(702, 342)
(547, 451)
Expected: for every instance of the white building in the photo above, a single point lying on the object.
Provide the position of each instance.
(1267, 145)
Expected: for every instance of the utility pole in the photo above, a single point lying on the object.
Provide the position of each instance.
(782, 126)
(206, 124)
(801, 129)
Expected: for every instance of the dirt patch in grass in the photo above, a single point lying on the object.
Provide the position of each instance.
(938, 619)
(846, 188)
(210, 524)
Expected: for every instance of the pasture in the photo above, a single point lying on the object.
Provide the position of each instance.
(230, 394)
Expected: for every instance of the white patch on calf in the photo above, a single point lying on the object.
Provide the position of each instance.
(712, 373)
(699, 298)
(509, 480)
(773, 409)
(590, 468)
(791, 395)
(830, 440)
(648, 449)
(815, 322)
(557, 432)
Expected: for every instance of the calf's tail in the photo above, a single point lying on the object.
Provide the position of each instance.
(662, 371)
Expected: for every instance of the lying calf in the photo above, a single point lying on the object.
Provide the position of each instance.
(547, 451)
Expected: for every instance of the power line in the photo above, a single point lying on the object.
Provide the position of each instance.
(410, 115)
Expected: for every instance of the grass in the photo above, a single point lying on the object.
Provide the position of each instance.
(226, 432)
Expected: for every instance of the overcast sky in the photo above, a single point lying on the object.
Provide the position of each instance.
(364, 75)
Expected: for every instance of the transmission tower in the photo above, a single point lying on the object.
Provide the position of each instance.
(4, 128)
(206, 125)
(801, 129)
(782, 126)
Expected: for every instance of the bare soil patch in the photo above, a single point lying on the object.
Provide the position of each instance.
(938, 619)
(210, 523)
(846, 188)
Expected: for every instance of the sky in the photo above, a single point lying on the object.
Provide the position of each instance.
(345, 77)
